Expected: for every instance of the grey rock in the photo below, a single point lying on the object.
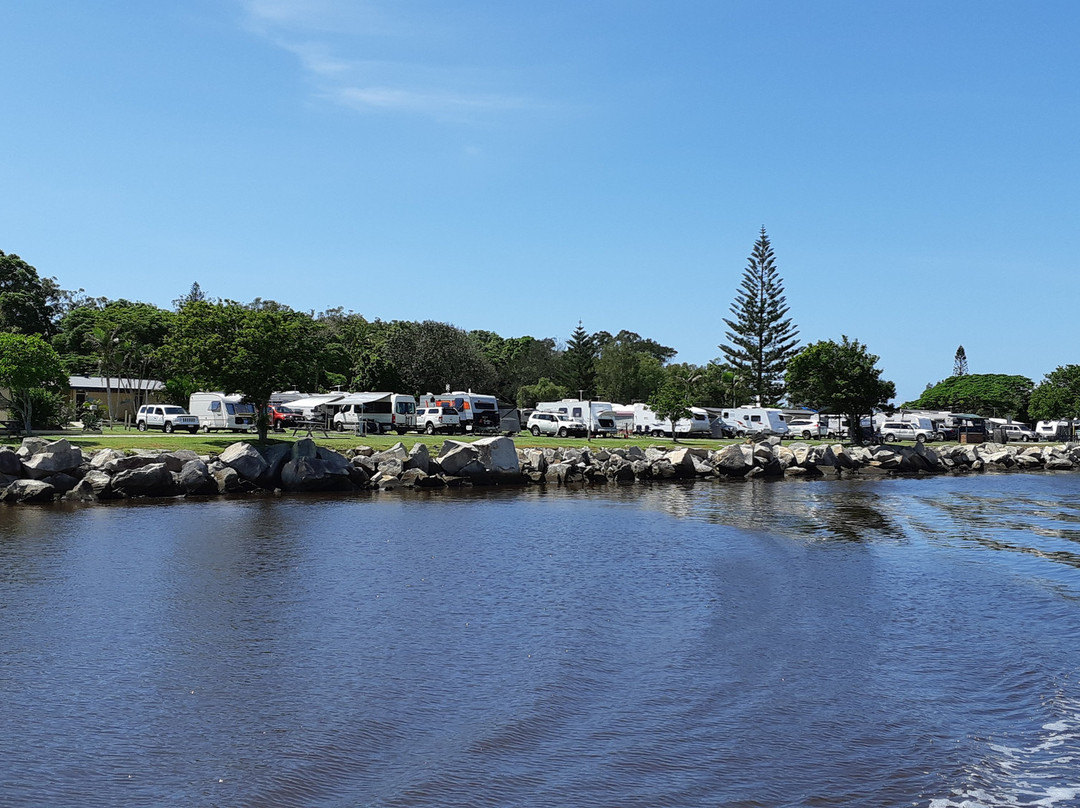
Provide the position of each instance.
(154, 480)
(10, 463)
(195, 478)
(28, 491)
(52, 458)
(456, 456)
(245, 460)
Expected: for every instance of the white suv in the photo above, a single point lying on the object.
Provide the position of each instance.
(555, 423)
(165, 417)
(892, 431)
(806, 429)
(437, 419)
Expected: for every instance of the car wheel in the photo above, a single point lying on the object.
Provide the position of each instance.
(535, 431)
(656, 433)
(920, 438)
(562, 432)
(890, 438)
(340, 426)
(806, 434)
(429, 428)
(168, 426)
(142, 426)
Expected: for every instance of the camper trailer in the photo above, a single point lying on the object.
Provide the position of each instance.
(219, 411)
(752, 420)
(599, 416)
(478, 412)
(375, 413)
(647, 422)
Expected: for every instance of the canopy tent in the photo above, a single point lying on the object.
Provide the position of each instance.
(361, 398)
(311, 403)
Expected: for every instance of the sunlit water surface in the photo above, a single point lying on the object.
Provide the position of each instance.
(795, 643)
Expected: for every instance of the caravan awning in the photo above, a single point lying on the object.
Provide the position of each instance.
(312, 402)
(361, 398)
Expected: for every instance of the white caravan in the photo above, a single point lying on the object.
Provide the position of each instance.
(598, 416)
(478, 412)
(219, 411)
(375, 412)
(752, 420)
(647, 422)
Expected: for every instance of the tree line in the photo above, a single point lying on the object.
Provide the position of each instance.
(256, 348)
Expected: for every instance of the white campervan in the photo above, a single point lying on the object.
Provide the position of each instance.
(647, 422)
(752, 420)
(599, 416)
(375, 412)
(219, 411)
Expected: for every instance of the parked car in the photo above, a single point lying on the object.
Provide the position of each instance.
(806, 429)
(892, 431)
(165, 417)
(280, 416)
(556, 423)
(1019, 432)
(437, 419)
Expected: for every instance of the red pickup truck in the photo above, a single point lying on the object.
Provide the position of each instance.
(282, 416)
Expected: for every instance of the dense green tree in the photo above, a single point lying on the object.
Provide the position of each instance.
(29, 304)
(629, 368)
(516, 361)
(579, 363)
(838, 378)
(662, 353)
(354, 353)
(960, 365)
(544, 390)
(1057, 396)
(761, 337)
(27, 363)
(118, 340)
(252, 350)
(670, 403)
(987, 394)
(430, 356)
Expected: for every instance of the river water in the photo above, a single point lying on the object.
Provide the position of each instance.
(908, 642)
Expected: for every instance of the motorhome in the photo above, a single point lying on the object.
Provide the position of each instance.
(375, 413)
(752, 420)
(219, 411)
(647, 422)
(478, 412)
(599, 416)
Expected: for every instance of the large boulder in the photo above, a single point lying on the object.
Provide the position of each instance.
(195, 478)
(176, 460)
(456, 457)
(734, 460)
(28, 491)
(498, 458)
(245, 460)
(315, 474)
(395, 452)
(154, 480)
(419, 458)
(275, 455)
(102, 457)
(52, 458)
(10, 463)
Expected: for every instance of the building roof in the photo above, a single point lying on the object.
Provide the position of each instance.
(98, 383)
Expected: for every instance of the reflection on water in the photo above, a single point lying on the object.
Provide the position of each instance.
(756, 643)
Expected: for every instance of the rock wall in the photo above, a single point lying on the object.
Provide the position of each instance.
(40, 471)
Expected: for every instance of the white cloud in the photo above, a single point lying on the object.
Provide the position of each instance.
(327, 37)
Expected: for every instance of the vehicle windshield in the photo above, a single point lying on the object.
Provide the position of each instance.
(175, 411)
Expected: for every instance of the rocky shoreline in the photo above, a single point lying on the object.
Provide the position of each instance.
(41, 471)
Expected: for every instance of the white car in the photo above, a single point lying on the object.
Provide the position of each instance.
(165, 417)
(806, 429)
(555, 423)
(892, 431)
(437, 419)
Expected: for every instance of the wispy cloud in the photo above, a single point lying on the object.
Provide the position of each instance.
(331, 40)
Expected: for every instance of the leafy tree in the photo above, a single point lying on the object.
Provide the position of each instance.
(579, 363)
(960, 365)
(27, 363)
(670, 404)
(354, 353)
(428, 356)
(252, 350)
(986, 394)
(629, 368)
(839, 378)
(194, 295)
(1057, 395)
(761, 338)
(29, 304)
(517, 361)
(544, 390)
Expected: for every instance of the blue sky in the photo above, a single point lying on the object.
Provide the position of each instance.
(519, 167)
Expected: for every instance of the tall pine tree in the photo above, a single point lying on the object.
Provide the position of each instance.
(959, 367)
(579, 363)
(762, 338)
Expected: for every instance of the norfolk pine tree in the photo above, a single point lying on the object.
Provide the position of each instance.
(761, 337)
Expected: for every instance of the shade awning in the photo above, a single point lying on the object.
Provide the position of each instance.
(361, 398)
